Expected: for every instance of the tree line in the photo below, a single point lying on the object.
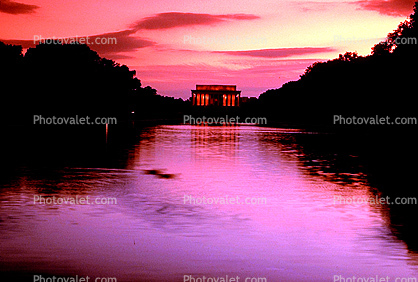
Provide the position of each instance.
(70, 79)
(382, 83)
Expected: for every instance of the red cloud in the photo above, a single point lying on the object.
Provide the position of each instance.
(388, 7)
(117, 42)
(15, 8)
(126, 42)
(176, 19)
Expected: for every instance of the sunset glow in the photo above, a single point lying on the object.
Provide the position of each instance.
(175, 45)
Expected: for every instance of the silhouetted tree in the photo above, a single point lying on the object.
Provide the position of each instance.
(11, 72)
(71, 79)
(382, 83)
(405, 30)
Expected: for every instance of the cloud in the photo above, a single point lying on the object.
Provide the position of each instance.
(15, 8)
(239, 17)
(278, 52)
(116, 42)
(388, 7)
(384, 7)
(308, 6)
(124, 43)
(176, 19)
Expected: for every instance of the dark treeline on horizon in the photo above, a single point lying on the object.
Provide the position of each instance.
(383, 83)
(70, 79)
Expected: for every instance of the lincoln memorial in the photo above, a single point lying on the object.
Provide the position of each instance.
(216, 95)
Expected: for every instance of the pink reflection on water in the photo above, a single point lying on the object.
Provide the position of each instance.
(299, 234)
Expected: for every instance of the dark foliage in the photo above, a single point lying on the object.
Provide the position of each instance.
(383, 83)
(71, 79)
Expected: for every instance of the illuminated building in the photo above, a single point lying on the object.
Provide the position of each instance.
(216, 95)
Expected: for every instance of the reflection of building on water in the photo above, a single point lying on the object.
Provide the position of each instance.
(214, 141)
(216, 95)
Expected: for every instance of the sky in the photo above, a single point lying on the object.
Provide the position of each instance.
(174, 45)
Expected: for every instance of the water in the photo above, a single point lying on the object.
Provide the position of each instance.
(154, 233)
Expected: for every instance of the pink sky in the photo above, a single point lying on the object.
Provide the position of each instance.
(174, 45)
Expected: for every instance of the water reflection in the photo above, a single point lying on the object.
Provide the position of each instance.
(223, 140)
(372, 162)
(154, 234)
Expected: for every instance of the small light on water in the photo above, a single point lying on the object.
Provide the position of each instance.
(107, 130)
